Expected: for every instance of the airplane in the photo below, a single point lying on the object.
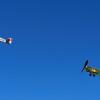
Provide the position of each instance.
(91, 70)
(7, 41)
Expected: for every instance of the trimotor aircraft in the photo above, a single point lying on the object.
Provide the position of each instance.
(91, 70)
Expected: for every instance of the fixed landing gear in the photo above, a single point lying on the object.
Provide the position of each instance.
(92, 75)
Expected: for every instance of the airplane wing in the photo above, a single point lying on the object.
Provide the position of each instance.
(86, 62)
(2, 40)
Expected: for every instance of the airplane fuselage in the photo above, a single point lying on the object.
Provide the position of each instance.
(91, 70)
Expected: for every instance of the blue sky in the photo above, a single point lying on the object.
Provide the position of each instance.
(52, 40)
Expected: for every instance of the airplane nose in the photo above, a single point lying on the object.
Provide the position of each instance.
(9, 40)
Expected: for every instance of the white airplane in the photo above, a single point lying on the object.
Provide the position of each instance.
(7, 41)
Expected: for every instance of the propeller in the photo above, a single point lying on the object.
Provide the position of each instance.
(86, 62)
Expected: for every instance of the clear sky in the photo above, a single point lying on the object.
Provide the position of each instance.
(52, 40)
